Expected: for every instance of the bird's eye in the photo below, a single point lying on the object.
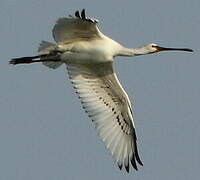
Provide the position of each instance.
(153, 46)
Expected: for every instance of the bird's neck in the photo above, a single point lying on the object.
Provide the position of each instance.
(132, 51)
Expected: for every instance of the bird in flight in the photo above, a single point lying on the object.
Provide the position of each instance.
(88, 55)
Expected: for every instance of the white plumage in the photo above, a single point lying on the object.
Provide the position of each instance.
(108, 106)
(88, 55)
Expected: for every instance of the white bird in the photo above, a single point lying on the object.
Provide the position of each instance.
(88, 55)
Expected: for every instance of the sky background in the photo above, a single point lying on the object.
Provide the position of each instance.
(44, 133)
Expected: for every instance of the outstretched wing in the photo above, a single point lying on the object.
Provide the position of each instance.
(71, 29)
(108, 106)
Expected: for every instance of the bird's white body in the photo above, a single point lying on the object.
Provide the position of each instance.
(95, 51)
(88, 55)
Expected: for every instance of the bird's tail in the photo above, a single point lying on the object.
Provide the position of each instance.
(47, 55)
(46, 48)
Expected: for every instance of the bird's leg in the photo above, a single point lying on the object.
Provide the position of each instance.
(53, 56)
(24, 60)
(32, 59)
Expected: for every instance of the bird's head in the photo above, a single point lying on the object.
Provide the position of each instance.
(154, 48)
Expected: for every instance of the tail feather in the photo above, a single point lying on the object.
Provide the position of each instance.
(52, 64)
(46, 48)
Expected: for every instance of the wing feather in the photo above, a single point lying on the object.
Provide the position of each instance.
(71, 29)
(108, 106)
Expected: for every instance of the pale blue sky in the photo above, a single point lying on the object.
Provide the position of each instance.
(44, 133)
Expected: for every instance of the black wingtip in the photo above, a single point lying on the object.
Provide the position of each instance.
(127, 168)
(133, 162)
(136, 150)
(83, 14)
(77, 14)
(126, 164)
(137, 156)
(120, 166)
(140, 162)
